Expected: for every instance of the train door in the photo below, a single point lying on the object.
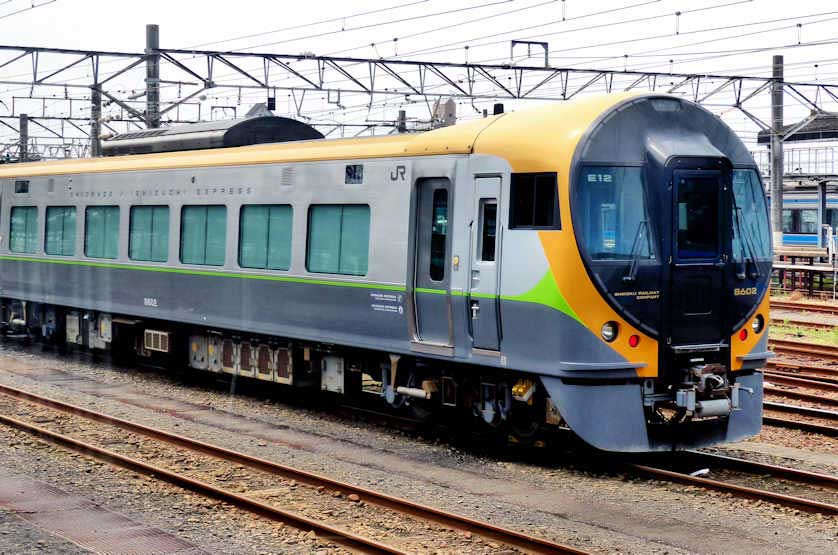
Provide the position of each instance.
(483, 289)
(698, 257)
(432, 279)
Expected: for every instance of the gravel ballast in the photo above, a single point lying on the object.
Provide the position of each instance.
(604, 513)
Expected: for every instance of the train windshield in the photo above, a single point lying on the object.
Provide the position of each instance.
(612, 209)
(751, 235)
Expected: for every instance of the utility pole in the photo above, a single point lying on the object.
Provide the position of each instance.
(23, 155)
(152, 80)
(777, 150)
(95, 121)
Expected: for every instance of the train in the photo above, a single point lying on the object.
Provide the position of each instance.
(600, 264)
(804, 218)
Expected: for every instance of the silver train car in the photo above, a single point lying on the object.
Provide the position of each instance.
(600, 264)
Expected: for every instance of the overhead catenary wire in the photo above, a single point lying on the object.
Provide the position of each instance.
(311, 24)
(678, 55)
(33, 6)
(376, 25)
(443, 48)
(471, 21)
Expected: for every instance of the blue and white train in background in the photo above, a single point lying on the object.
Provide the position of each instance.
(804, 218)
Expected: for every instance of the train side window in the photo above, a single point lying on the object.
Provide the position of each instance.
(809, 220)
(788, 221)
(535, 201)
(23, 229)
(338, 239)
(439, 234)
(60, 237)
(101, 231)
(148, 238)
(488, 229)
(265, 236)
(203, 235)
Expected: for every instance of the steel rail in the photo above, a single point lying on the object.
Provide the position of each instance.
(785, 379)
(803, 323)
(803, 376)
(826, 480)
(525, 542)
(804, 348)
(812, 427)
(805, 411)
(790, 365)
(738, 490)
(331, 533)
(800, 396)
(804, 307)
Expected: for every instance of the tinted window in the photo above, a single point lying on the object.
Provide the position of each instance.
(488, 229)
(788, 221)
(23, 232)
(61, 231)
(203, 235)
(751, 230)
(697, 217)
(354, 174)
(439, 235)
(808, 221)
(338, 239)
(101, 232)
(613, 219)
(265, 237)
(535, 201)
(149, 233)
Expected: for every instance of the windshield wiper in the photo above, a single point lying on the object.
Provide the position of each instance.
(745, 242)
(631, 275)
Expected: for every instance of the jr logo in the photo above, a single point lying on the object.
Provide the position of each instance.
(744, 291)
(398, 173)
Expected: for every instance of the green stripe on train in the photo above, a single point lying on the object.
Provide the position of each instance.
(212, 273)
(546, 292)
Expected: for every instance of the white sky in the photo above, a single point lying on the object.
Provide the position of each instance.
(712, 40)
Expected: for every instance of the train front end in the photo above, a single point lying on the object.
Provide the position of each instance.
(671, 224)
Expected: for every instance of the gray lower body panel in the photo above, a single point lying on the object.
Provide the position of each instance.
(610, 417)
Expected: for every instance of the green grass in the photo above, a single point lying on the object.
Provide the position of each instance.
(786, 330)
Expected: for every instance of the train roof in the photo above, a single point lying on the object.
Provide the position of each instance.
(531, 140)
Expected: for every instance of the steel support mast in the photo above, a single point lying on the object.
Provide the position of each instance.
(152, 80)
(777, 150)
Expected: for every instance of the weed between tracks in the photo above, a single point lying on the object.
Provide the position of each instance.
(786, 330)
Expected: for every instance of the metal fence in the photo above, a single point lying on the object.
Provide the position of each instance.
(815, 160)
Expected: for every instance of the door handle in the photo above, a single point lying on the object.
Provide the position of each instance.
(475, 309)
(475, 278)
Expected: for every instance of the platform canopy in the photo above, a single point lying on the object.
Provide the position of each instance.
(818, 126)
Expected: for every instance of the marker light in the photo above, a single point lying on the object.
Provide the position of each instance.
(634, 341)
(758, 323)
(609, 331)
(743, 335)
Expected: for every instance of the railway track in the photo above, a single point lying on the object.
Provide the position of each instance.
(804, 307)
(788, 346)
(800, 396)
(456, 523)
(714, 463)
(523, 542)
(806, 426)
(816, 371)
(803, 323)
(808, 382)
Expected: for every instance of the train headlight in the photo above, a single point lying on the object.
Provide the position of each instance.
(758, 323)
(609, 331)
